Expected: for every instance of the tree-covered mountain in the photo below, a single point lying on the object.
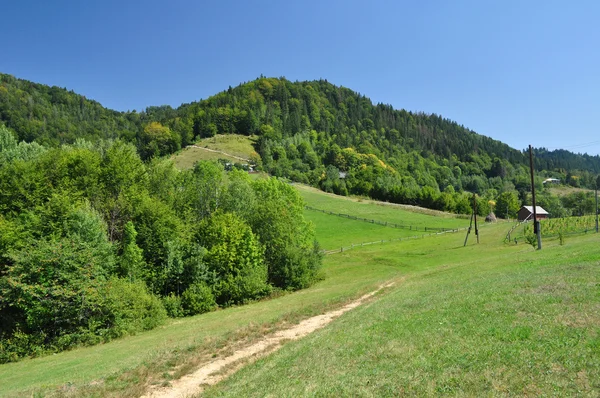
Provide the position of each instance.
(312, 132)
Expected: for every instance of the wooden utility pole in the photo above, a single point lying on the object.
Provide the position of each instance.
(536, 223)
(597, 181)
(469, 230)
(475, 214)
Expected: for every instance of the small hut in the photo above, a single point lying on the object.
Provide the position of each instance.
(491, 217)
(526, 213)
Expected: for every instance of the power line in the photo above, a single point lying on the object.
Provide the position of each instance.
(583, 145)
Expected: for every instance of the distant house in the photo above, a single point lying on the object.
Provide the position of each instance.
(551, 181)
(526, 213)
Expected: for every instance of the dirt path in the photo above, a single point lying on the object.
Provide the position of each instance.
(213, 372)
(221, 152)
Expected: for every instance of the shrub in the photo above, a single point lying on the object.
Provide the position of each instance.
(236, 257)
(172, 304)
(531, 239)
(278, 219)
(198, 299)
(130, 308)
(561, 238)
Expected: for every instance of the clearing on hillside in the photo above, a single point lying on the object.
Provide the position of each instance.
(564, 190)
(234, 148)
(345, 221)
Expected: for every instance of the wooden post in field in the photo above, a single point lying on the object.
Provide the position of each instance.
(469, 230)
(536, 223)
(475, 213)
(597, 182)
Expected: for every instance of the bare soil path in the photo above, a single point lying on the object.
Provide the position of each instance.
(217, 370)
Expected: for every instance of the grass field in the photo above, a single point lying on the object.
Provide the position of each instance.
(487, 319)
(484, 320)
(563, 190)
(230, 144)
(334, 232)
(405, 215)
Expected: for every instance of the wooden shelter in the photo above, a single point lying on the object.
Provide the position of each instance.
(526, 213)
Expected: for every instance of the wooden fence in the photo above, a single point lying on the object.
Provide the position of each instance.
(352, 246)
(384, 223)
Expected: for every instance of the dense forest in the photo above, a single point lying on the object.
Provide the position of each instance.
(312, 132)
(96, 244)
(100, 236)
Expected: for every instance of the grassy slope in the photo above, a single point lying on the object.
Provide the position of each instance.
(416, 216)
(333, 231)
(198, 333)
(414, 339)
(483, 320)
(236, 145)
(563, 190)
(156, 349)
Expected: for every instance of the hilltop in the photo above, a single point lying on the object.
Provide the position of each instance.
(313, 132)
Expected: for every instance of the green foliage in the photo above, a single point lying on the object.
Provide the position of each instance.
(53, 291)
(131, 307)
(53, 115)
(197, 299)
(305, 131)
(531, 238)
(236, 257)
(157, 140)
(565, 226)
(172, 304)
(507, 205)
(87, 231)
(291, 254)
(561, 238)
(7, 140)
(131, 261)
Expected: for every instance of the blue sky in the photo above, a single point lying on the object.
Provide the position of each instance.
(523, 72)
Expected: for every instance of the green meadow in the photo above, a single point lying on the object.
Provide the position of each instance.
(488, 319)
(485, 320)
(229, 144)
(380, 211)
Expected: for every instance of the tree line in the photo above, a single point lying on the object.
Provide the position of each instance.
(312, 132)
(96, 244)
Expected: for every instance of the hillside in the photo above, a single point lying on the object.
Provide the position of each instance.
(233, 148)
(485, 318)
(312, 132)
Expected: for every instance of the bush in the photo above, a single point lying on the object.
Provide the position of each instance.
(561, 238)
(278, 219)
(198, 299)
(236, 258)
(172, 304)
(130, 308)
(531, 239)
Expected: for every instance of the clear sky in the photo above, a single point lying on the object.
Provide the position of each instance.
(523, 72)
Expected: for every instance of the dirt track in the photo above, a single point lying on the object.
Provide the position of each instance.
(213, 372)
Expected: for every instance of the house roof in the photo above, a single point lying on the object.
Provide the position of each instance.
(538, 209)
(550, 180)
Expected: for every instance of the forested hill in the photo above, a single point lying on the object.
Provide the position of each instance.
(350, 119)
(53, 115)
(308, 131)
